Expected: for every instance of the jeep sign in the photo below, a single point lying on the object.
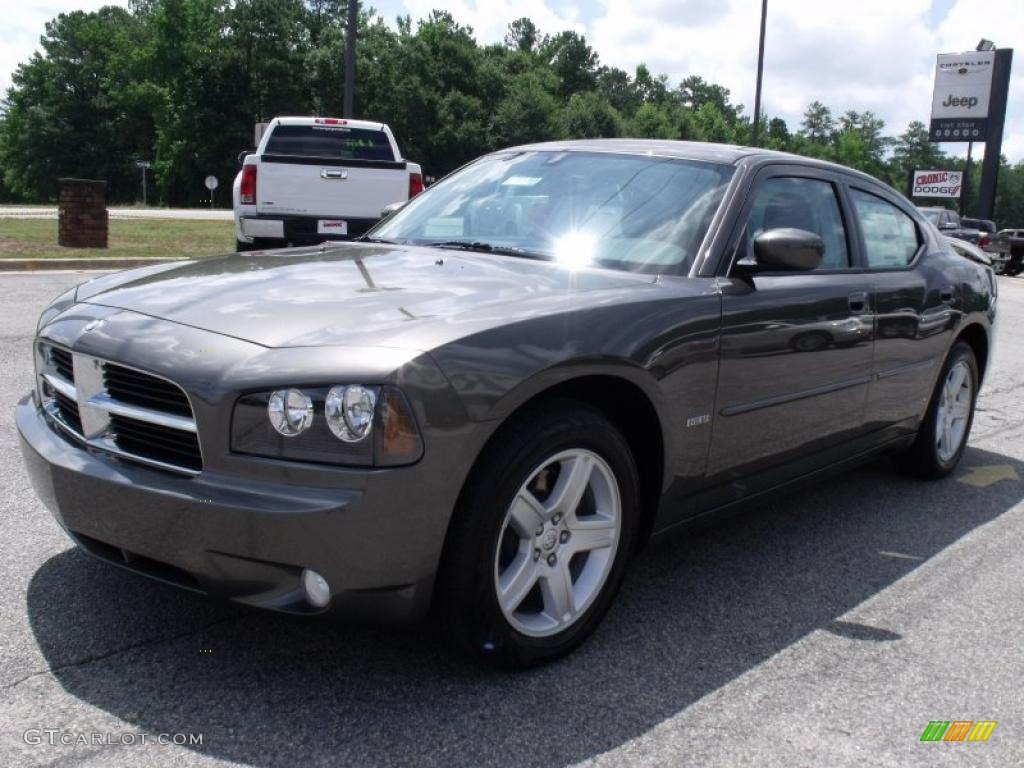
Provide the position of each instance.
(937, 184)
(963, 84)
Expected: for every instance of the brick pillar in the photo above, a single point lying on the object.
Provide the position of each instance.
(83, 213)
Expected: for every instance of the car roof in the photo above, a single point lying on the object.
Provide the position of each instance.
(730, 154)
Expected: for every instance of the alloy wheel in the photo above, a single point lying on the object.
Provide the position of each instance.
(557, 543)
(954, 410)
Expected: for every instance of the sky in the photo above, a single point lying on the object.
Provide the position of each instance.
(876, 55)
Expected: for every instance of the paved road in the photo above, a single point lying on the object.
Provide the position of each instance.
(197, 214)
(826, 629)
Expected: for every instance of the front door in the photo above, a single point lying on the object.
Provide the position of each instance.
(796, 347)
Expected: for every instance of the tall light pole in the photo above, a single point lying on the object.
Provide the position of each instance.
(760, 72)
(350, 59)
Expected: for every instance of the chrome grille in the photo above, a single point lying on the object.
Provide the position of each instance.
(165, 444)
(130, 413)
(61, 360)
(136, 388)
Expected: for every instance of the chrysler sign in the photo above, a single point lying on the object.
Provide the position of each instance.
(963, 86)
(937, 183)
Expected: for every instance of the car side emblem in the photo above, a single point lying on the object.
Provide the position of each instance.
(695, 421)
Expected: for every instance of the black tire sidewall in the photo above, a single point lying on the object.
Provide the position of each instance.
(469, 589)
(930, 463)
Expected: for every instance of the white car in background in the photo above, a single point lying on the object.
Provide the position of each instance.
(319, 178)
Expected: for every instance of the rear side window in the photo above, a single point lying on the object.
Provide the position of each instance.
(891, 238)
(329, 141)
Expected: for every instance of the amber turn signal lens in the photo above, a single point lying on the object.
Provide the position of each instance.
(398, 441)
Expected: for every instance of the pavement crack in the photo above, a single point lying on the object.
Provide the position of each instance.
(103, 656)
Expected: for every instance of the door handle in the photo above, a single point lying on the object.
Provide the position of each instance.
(328, 174)
(947, 294)
(858, 302)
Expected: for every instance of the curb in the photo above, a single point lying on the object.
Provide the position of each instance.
(112, 263)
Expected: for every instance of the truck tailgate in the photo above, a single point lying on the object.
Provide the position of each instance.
(319, 187)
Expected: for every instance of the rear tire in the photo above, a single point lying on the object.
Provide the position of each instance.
(541, 537)
(942, 437)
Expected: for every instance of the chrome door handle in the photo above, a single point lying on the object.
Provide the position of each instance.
(333, 175)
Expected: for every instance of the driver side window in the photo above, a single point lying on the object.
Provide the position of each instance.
(808, 204)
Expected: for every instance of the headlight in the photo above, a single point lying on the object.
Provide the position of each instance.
(350, 411)
(290, 411)
(346, 424)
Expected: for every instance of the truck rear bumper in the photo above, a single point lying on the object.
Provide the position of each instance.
(300, 229)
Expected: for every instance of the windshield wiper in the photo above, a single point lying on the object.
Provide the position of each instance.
(482, 247)
(365, 239)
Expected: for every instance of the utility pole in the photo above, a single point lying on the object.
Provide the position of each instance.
(350, 59)
(760, 72)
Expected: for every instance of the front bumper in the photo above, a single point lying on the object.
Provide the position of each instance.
(247, 542)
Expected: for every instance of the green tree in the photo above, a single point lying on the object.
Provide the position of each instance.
(818, 126)
(62, 116)
(588, 115)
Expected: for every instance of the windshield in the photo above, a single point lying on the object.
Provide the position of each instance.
(632, 212)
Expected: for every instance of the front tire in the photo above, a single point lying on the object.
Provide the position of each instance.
(542, 536)
(942, 436)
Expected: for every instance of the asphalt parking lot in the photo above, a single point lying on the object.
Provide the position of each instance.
(826, 629)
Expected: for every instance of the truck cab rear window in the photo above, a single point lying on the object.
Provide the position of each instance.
(333, 141)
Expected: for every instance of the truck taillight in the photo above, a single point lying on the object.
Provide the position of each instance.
(415, 184)
(984, 240)
(247, 190)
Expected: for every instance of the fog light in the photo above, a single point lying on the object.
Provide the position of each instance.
(318, 592)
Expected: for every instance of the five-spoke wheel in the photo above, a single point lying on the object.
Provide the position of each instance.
(542, 535)
(558, 542)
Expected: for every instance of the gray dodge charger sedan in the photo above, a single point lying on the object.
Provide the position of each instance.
(494, 399)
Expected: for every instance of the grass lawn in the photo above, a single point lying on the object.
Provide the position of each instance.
(37, 239)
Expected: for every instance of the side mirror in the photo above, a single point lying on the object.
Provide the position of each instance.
(392, 209)
(947, 226)
(787, 248)
(242, 154)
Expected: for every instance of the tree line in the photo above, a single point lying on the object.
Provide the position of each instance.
(181, 83)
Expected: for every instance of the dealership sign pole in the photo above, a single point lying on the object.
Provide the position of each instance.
(969, 104)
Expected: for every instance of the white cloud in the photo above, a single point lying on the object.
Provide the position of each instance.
(490, 18)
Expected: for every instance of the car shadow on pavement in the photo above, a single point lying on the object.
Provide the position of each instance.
(695, 612)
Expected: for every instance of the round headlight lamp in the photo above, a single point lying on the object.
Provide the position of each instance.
(290, 411)
(350, 411)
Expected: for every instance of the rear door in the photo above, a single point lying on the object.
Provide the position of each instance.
(329, 170)
(796, 347)
(918, 305)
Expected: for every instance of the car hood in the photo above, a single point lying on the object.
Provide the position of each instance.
(357, 294)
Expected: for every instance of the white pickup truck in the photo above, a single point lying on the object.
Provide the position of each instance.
(319, 178)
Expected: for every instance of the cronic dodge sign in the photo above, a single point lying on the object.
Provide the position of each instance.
(963, 85)
(937, 183)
